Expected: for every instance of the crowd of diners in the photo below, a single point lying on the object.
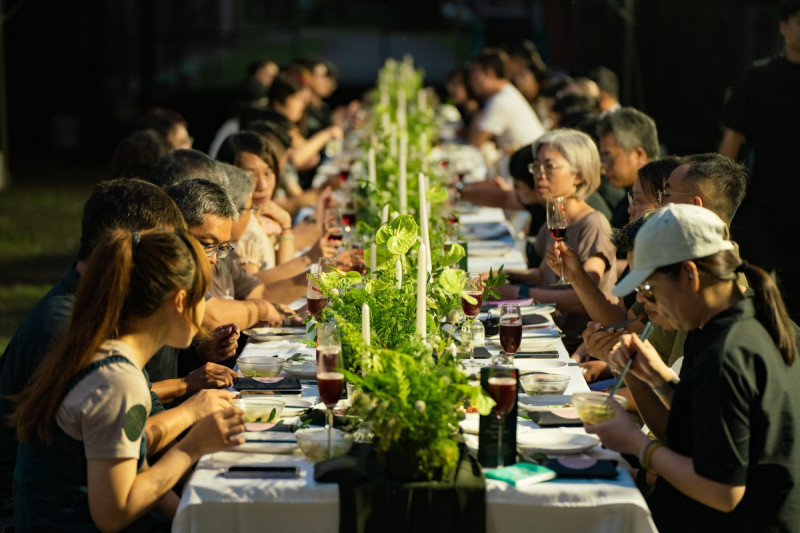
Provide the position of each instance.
(117, 381)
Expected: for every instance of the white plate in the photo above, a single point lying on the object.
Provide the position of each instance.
(252, 443)
(295, 407)
(543, 402)
(555, 441)
(535, 365)
(264, 334)
(301, 369)
(485, 231)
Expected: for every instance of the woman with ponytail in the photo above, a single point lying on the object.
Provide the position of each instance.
(80, 421)
(730, 458)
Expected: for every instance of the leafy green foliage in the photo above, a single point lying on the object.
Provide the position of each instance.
(410, 401)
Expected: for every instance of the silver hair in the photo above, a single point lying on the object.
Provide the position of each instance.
(580, 151)
(197, 198)
(240, 184)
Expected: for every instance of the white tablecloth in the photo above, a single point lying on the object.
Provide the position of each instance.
(211, 504)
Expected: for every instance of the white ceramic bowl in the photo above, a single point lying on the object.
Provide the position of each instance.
(260, 408)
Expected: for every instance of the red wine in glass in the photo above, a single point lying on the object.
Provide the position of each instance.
(503, 391)
(349, 219)
(472, 310)
(511, 335)
(337, 235)
(558, 233)
(343, 175)
(317, 304)
(331, 386)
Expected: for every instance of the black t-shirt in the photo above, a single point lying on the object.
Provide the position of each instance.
(735, 413)
(765, 108)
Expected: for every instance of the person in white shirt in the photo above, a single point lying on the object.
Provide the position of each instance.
(507, 117)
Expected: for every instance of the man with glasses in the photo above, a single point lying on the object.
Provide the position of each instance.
(237, 297)
(628, 141)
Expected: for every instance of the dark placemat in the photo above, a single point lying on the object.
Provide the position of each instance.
(286, 384)
(378, 503)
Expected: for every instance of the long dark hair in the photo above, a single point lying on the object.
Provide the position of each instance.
(128, 275)
(769, 305)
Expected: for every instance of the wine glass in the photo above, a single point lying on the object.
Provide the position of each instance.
(510, 328)
(314, 297)
(557, 224)
(468, 344)
(473, 286)
(330, 378)
(334, 224)
(503, 390)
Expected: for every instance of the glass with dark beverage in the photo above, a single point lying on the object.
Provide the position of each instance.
(330, 378)
(473, 286)
(503, 390)
(315, 299)
(557, 224)
(510, 328)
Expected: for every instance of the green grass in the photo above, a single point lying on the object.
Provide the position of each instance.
(40, 216)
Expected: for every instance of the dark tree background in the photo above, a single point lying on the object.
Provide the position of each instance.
(79, 72)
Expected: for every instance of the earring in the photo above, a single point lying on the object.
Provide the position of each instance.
(691, 276)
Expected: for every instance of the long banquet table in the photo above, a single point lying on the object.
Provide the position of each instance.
(211, 503)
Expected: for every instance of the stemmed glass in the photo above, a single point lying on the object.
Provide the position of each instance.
(557, 224)
(334, 224)
(510, 328)
(503, 390)
(330, 378)
(468, 343)
(473, 286)
(314, 297)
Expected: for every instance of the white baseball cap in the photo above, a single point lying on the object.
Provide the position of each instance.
(673, 234)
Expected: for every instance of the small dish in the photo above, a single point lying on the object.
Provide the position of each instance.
(541, 383)
(593, 407)
(543, 402)
(542, 365)
(314, 443)
(555, 441)
(260, 409)
(253, 366)
(301, 369)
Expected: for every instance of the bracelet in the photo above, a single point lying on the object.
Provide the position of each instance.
(284, 230)
(285, 237)
(668, 387)
(646, 455)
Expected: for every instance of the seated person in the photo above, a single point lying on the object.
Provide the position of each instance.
(567, 165)
(237, 297)
(169, 124)
(731, 444)
(81, 420)
(133, 205)
(137, 155)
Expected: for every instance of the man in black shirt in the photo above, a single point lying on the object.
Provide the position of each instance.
(764, 112)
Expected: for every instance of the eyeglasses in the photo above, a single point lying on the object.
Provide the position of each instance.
(647, 292)
(663, 194)
(543, 168)
(211, 249)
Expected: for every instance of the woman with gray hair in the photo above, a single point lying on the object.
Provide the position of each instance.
(566, 163)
